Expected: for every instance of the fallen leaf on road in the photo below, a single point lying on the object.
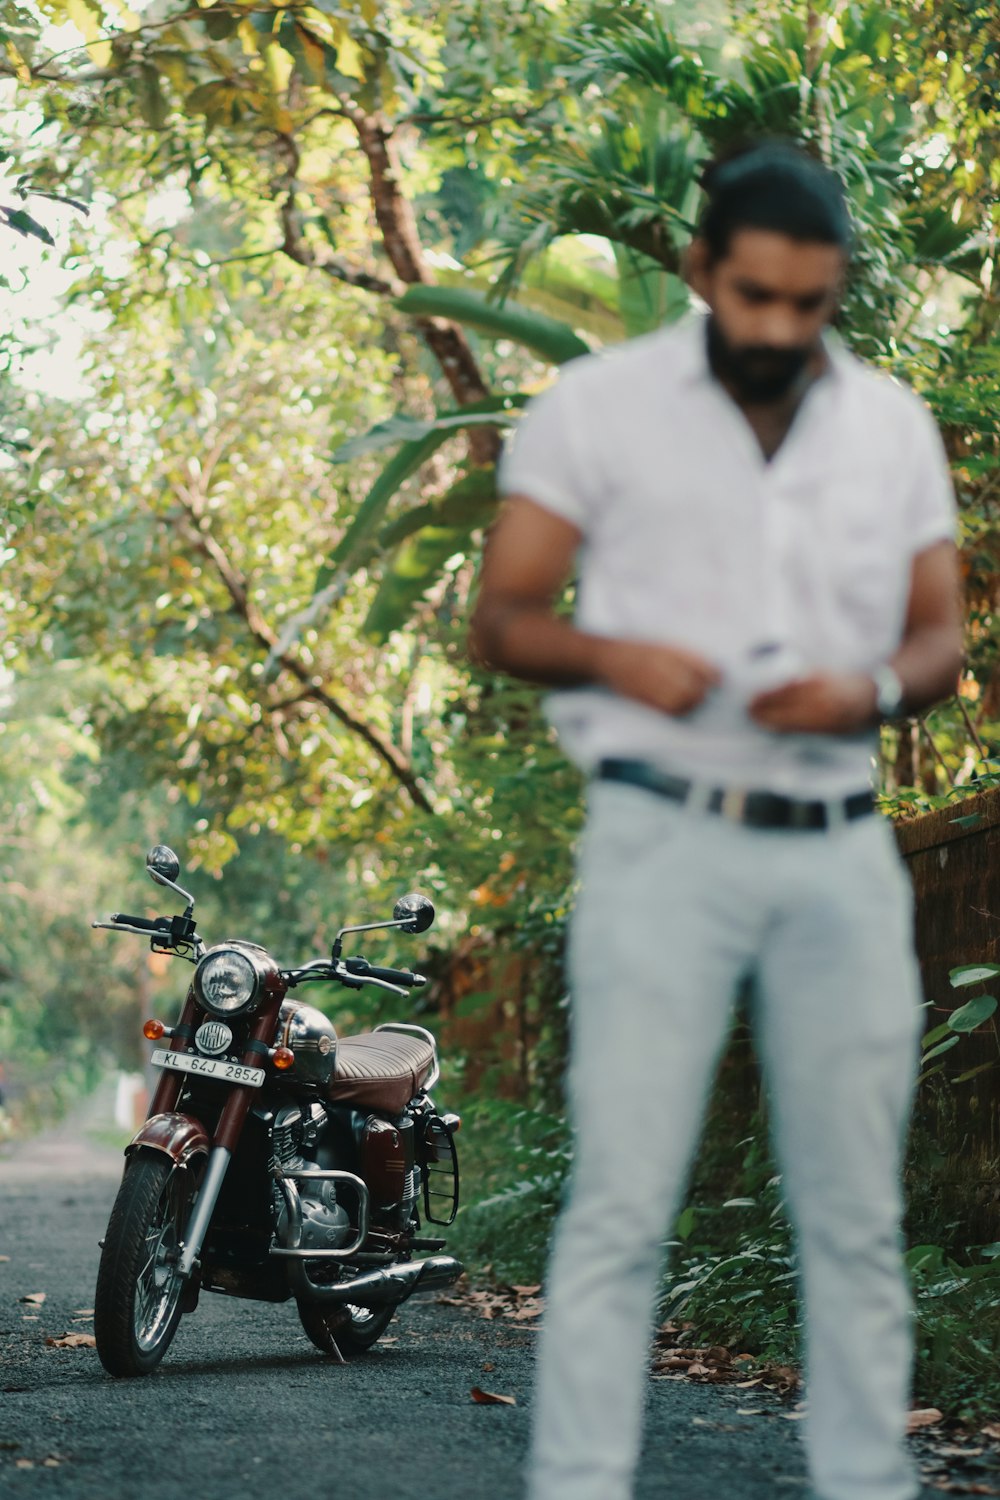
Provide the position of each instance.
(35, 1298)
(487, 1366)
(532, 1309)
(24, 1463)
(83, 1312)
(927, 1416)
(490, 1398)
(4, 1257)
(73, 1341)
(527, 1291)
(53, 1461)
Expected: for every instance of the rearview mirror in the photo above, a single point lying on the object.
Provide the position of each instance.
(163, 865)
(414, 913)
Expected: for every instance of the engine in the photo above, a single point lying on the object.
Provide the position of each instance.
(325, 1224)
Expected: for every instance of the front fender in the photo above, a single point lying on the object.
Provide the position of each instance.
(178, 1136)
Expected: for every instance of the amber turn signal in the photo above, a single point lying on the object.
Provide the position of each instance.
(153, 1030)
(283, 1058)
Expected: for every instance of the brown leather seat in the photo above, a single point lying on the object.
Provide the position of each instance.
(380, 1070)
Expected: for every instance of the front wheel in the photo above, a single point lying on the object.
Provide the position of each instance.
(137, 1305)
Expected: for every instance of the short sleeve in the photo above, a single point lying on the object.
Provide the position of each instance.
(931, 509)
(547, 459)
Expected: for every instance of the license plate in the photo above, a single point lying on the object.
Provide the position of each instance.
(207, 1067)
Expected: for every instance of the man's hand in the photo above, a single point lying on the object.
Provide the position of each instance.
(827, 703)
(516, 629)
(667, 678)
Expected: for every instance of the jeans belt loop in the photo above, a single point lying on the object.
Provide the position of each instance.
(734, 804)
(698, 797)
(836, 813)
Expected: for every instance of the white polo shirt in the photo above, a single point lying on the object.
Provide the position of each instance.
(690, 537)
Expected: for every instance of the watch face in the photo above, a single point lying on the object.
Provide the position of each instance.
(889, 692)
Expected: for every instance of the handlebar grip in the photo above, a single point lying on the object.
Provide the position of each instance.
(393, 976)
(159, 924)
(364, 970)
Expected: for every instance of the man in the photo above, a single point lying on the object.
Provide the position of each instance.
(765, 572)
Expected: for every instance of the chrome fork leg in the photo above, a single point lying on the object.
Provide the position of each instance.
(215, 1171)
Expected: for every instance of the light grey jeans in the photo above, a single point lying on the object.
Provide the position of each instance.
(676, 909)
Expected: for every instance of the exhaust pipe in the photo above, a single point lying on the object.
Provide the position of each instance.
(381, 1288)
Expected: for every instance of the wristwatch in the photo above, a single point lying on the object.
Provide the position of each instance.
(889, 692)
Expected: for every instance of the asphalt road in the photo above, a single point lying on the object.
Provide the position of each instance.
(243, 1400)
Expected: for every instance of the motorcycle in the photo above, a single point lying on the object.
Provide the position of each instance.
(278, 1159)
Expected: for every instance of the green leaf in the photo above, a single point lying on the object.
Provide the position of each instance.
(972, 974)
(648, 296)
(495, 411)
(974, 1072)
(406, 462)
(553, 340)
(973, 1013)
(420, 561)
(463, 505)
(23, 223)
(685, 1223)
(417, 567)
(935, 1035)
(952, 1041)
(220, 23)
(149, 96)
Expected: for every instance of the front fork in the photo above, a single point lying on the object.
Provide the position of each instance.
(181, 1136)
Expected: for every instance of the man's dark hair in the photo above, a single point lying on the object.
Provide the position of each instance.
(773, 185)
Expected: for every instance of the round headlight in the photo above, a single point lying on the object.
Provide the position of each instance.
(226, 982)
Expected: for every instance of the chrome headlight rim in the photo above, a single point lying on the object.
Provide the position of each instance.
(253, 986)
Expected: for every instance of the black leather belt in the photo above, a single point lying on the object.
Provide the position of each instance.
(756, 809)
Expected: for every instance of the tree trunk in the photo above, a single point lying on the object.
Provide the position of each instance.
(395, 218)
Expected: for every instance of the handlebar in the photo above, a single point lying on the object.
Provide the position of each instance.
(364, 970)
(144, 924)
(179, 933)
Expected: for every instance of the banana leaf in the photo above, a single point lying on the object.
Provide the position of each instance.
(426, 438)
(419, 562)
(553, 340)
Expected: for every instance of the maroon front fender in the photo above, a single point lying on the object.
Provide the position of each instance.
(178, 1136)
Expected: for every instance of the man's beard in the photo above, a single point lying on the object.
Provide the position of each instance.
(756, 372)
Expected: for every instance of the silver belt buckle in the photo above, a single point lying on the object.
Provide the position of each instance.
(734, 804)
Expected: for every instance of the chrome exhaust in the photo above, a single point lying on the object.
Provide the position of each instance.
(381, 1288)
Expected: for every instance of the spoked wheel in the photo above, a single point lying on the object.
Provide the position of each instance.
(346, 1329)
(137, 1305)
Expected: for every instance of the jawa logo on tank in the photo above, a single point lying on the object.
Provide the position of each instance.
(213, 1037)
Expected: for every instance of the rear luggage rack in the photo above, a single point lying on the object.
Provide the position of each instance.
(440, 1172)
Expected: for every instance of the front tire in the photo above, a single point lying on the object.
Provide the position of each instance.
(137, 1305)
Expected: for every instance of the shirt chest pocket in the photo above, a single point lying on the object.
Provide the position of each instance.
(867, 565)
